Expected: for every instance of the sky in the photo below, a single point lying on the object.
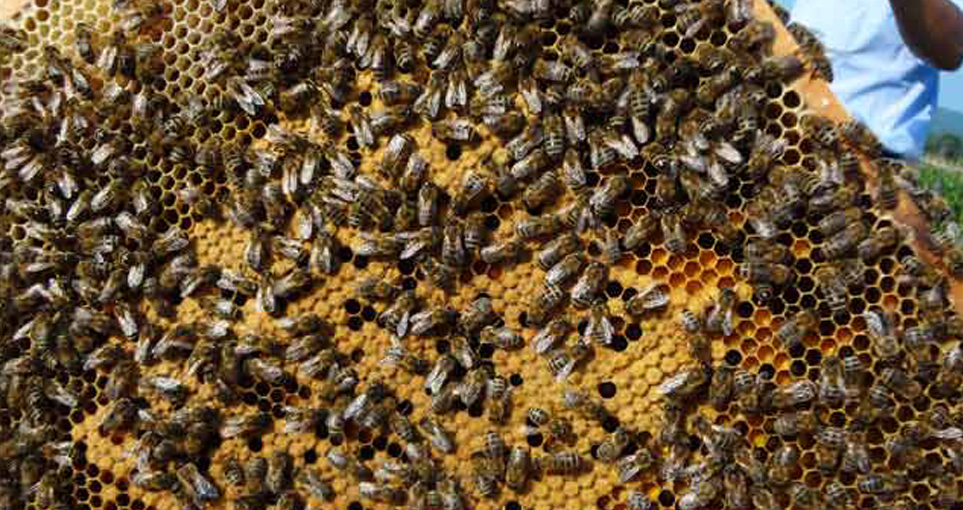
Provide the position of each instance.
(951, 84)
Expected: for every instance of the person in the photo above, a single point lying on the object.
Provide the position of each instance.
(886, 57)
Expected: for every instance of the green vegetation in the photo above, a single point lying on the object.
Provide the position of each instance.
(945, 145)
(949, 183)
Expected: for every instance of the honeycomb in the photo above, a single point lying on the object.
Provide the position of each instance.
(216, 257)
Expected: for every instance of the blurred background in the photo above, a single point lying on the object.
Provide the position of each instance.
(942, 166)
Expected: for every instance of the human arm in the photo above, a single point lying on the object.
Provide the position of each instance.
(933, 30)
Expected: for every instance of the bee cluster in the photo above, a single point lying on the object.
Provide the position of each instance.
(499, 199)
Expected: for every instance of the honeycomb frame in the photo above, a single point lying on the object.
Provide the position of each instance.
(626, 376)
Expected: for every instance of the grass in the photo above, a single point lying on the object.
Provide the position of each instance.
(949, 181)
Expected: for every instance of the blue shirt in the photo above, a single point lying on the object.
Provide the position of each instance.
(877, 78)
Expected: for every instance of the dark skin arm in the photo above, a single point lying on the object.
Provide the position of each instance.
(933, 30)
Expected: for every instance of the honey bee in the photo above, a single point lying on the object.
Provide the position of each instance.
(654, 297)
(562, 362)
(879, 326)
(586, 290)
(541, 192)
(564, 270)
(501, 252)
(762, 273)
(820, 128)
(439, 437)
(503, 337)
(899, 381)
(532, 164)
(684, 385)
(611, 449)
(561, 463)
(201, 490)
(485, 474)
(812, 50)
(719, 318)
(882, 484)
(832, 286)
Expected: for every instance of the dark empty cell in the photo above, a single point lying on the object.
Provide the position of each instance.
(799, 229)
(409, 283)
(367, 452)
(354, 505)
(798, 368)
(486, 350)
(907, 307)
(96, 502)
(277, 411)
(805, 284)
(453, 152)
(337, 439)
(304, 392)
(610, 424)
(442, 346)
(886, 265)
(592, 179)
(276, 395)
(607, 389)
(81, 494)
(814, 357)
(355, 323)
(666, 498)
(357, 354)
(706, 241)
(254, 444)
(345, 254)
(106, 477)
(368, 313)
(406, 266)
(477, 409)
(137, 505)
(364, 98)
(733, 201)
(123, 499)
(516, 380)
(767, 371)
(744, 309)
(380, 443)
(360, 261)
(249, 398)
(92, 470)
(613, 289)
(534, 440)
(687, 45)
(394, 450)
(492, 222)
(352, 307)
(523, 319)
(633, 332)
(628, 293)
(826, 328)
(841, 317)
(808, 301)
(733, 358)
(489, 205)
(619, 343)
(310, 456)
(870, 276)
(264, 406)
(352, 143)
(94, 486)
(513, 505)
(790, 294)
